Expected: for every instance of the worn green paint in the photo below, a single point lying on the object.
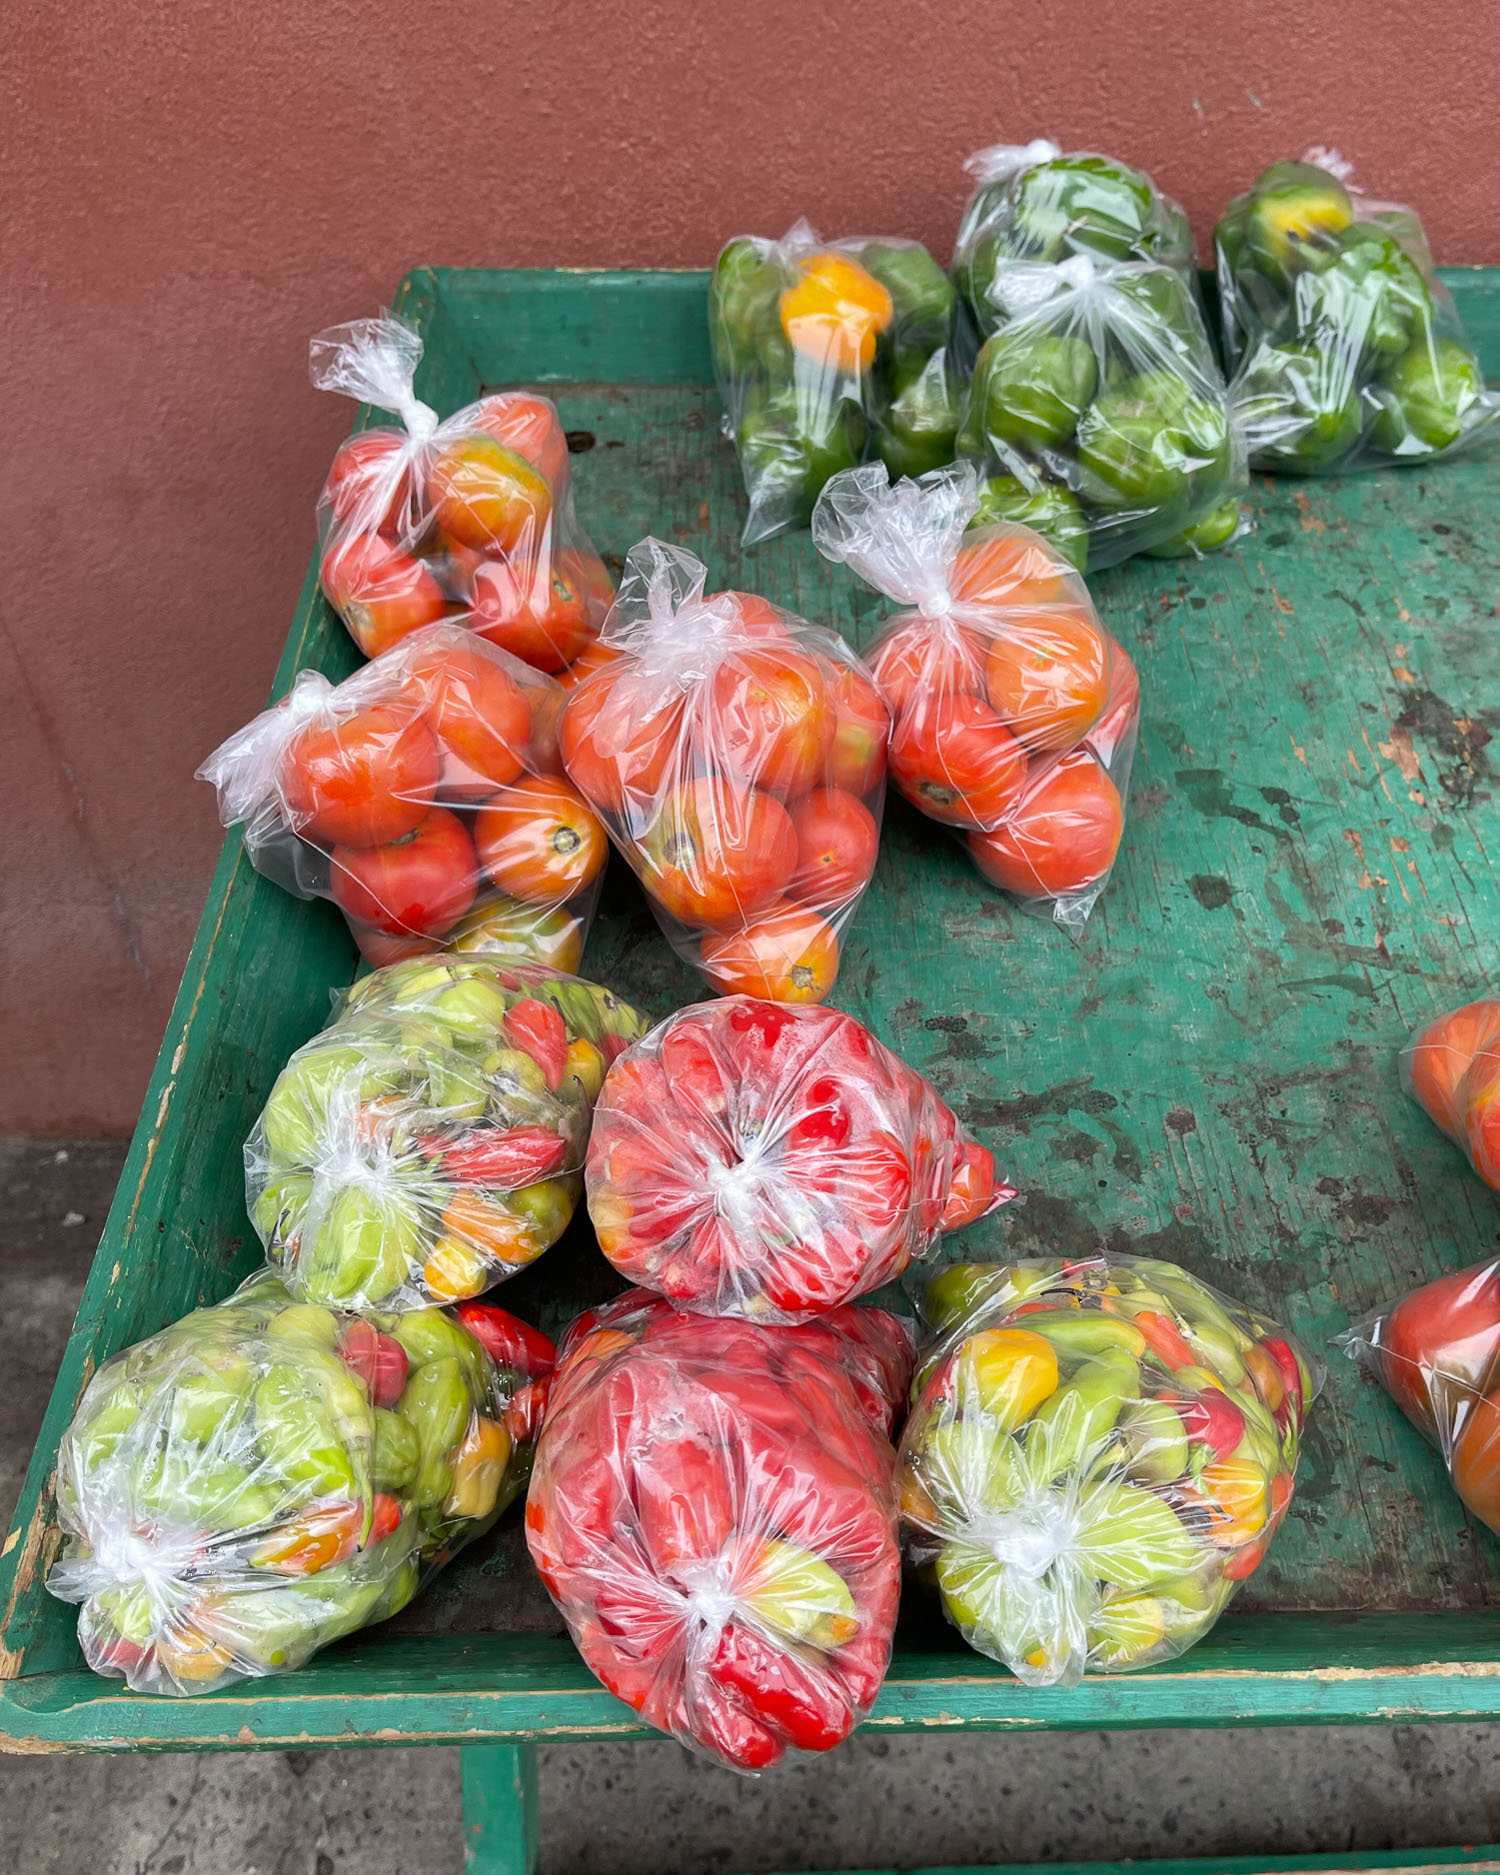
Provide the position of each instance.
(1207, 1075)
(500, 1809)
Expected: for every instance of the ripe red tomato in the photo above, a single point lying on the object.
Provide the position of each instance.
(593, 657)
(924, 659)
(785, 952)
(484, 495)
(755, 617)
(420, 885)
(1063, 836)
(1010, 568)
(365, 492)
(379, 948)
(772, 719)
(954, 758)
(530, 426)
(617, 745)
(861, 731)
(1439, 1343)
(540, 841)
(1048, 676)
(537, 609)
(1481, 1092)
(837, 839)
(362, 782)
(1116, 728)
(717, 851)
(478, 709)
(381, 593)
(1476, 1460)
(1442, 1055)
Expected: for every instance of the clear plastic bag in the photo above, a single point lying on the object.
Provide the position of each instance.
(1098, 412)
(737, 755)
(1098, 1451)
(1015, 711)
(1347, 350)
(264, 1477)
(425, 796)
(826, 353)
(712, 1509)
(430, 1141)
(473, 513)
(1437, 1353)
(1451, 1068)
(752, 1159)
(1032, 203)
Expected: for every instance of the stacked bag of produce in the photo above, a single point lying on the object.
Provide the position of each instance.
(1014, 711)
(1346, 348)
(827, 354)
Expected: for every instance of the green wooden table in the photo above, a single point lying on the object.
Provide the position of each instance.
(1207, 1076)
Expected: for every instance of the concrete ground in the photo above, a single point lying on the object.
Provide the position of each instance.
(648, 1809)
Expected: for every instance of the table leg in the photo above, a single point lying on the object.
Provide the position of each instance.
(499, 1809)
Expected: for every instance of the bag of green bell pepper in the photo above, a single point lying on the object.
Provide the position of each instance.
(266, 1476)
(1346, 349)
(430, 1141)
(1098, 413)
(1099, 1451)
(829, 354)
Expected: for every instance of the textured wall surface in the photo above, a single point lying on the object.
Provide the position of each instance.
(190, 191)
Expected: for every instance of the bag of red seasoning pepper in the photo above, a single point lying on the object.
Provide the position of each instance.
(751, 1158)
(1014, 711)
(713, 1511)
(472, 513)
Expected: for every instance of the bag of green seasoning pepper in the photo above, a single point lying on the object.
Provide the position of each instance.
(266, 1476)
(829, 354)
(1099, 1451)
(1097, 413)
(1346, 349)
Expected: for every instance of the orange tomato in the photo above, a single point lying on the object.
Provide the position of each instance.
(954, 758)
(530, 426)
(835, 313)
(362, 782)
(755, 617)
(537, 610)
(381, 593)
(923, 657)
(477, 708)
(837, 839)
(485, 495)
(1063, 836)
(1476, 1460)
(617, 746)
(593, 657)
(773, 721)
(717, 852)
(787, 953)
(1440, 1057)
(861, 733)
(364, 491)
(1482, 1113)
(1122, 714)
(1048, 675)
(540, 841)
(1013, 567)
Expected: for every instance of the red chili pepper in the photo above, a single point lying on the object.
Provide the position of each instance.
(539, 1031)
(508, 1341)
(504, 1160)
(1291, 1372)
(1165, 1339)
(385, 1520)
(794, 1696)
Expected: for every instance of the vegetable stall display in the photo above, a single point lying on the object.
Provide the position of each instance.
(713, 1511)
(737, 755)
(826, 354)
(1098, 1452)
(473, 513)
(425, 796)
(430, 1141)
(765, 1160)
(1346, 347)
(1014, 711)
(266, 1476)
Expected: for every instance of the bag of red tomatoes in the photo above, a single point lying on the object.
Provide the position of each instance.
(736, 754)
(1015, 711)
(1451, 1068)
(425, 797)
(1437, 1353)
(712, 1508)
(473, 513)
(750, 1158)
